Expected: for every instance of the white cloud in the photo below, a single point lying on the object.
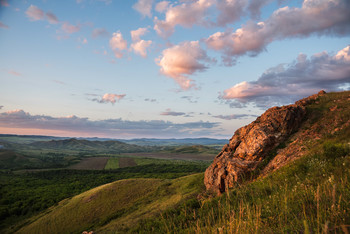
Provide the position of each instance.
(144, 7)
(286, 83)
(181, 60)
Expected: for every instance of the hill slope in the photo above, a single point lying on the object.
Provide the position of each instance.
(301, 184)
(115, 206)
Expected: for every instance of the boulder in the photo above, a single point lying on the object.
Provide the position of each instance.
(251, 144)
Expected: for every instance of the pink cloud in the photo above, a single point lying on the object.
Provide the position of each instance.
(110, 97)
(300, 78)
(51, 18)
(168, 112)
(34, 13)
(144, 7)
(117, 44)
(140, 47)
(15, 73)
(162, 6)
(22, 122)
(186, 14)
(2, 25)
(69, 28)
(4, 3)
(136, 34)
(230, 11)
(285, 22)
(181, 60)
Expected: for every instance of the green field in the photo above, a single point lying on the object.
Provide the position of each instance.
(113, 163)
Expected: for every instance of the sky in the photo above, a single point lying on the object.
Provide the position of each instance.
(164, 69)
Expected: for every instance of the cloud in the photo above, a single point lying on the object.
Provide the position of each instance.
(162, 6)
(69, 28)
(99, 32)
(285, 22)
(52, 18)
(255, 7)
(1, 107)
(136, 34)
(109, 97)
(4, 3)
(286, 83)
(189, 99)
(59, 82)
(150, 100)
(140, 47)
(117, 44)
(230, 11)
(144, 7)
(18, 119)
(172, 113)
(3, 25)
(185, 14)
(231, 117)
(34, 13)
(15, 73)
(184, 59)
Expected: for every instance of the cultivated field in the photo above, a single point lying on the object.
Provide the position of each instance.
(93, 163)
(126, 162)
(207, 157)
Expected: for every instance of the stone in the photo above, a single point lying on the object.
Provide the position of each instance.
(251, 144)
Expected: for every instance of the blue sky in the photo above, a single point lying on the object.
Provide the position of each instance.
(147, 68)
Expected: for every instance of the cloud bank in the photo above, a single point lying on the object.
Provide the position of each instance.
(320, 17)
(303, 77)
(18, 119)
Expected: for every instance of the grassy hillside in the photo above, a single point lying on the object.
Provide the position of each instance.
(116, 206)
(309, 195)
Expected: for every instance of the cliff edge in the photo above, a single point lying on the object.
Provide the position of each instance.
(249, 151)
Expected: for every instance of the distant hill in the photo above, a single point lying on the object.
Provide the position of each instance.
(85, 145)
(28, 139)
(176, 142)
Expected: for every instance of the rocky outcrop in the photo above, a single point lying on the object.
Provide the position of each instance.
(251, 144)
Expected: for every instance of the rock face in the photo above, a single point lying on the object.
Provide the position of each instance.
(251, 144)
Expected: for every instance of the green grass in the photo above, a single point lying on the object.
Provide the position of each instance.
(112, 163)
(125, 202)
(312, 193)
(24, 195)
